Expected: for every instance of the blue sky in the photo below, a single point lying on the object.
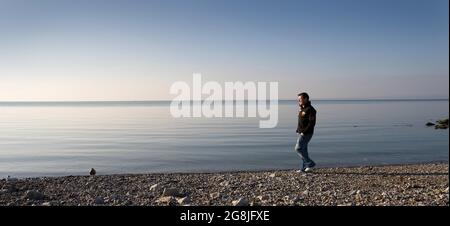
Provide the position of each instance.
(134, 50)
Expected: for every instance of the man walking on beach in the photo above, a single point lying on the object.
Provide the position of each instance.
(305, 129)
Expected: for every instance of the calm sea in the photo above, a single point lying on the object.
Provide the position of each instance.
(69, 138)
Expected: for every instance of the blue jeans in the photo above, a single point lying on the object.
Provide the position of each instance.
(302, 150)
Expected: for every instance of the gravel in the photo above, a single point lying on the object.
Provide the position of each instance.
(419, 184)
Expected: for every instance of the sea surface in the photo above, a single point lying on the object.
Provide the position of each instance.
(70, 138)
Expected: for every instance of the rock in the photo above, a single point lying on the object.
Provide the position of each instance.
(99, 200)
(215, 195)
(184, 201)
(442, 121)
(172, 192)
(155, 187)
(441, 126)
(306, 192)
(263, 198)
(287, 198)
(446, 190)
(344, 204)
(3, 191)
(34, 195)
(272, 175)
(224, 183)
(240, 202)
(93, 172)
(167, 200)
(47, 204)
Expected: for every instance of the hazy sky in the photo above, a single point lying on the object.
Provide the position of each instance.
(134, 50)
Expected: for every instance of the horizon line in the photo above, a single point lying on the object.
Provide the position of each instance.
(318, 99)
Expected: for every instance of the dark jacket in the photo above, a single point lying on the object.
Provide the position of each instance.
(306, 119)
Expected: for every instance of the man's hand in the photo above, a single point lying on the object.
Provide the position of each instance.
(301, 134)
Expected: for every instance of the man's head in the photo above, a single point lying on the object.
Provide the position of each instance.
(303, 98)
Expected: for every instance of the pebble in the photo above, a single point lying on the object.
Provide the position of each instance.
(34, 195)
(184, 201)
(262, 198)
(155, 187)
(215, 195)
(92, 172)
(171, 192)
(165, 200)
(99, 200)
(240, 202)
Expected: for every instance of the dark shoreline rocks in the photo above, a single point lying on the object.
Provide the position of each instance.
(440, 124)
(418, 184)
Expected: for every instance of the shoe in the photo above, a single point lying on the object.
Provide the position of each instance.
(310, 168)
(300, 171)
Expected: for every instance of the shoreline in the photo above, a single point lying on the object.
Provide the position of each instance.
(348, 166)
(394, 184)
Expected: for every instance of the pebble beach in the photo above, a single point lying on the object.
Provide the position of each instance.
(394, 185)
